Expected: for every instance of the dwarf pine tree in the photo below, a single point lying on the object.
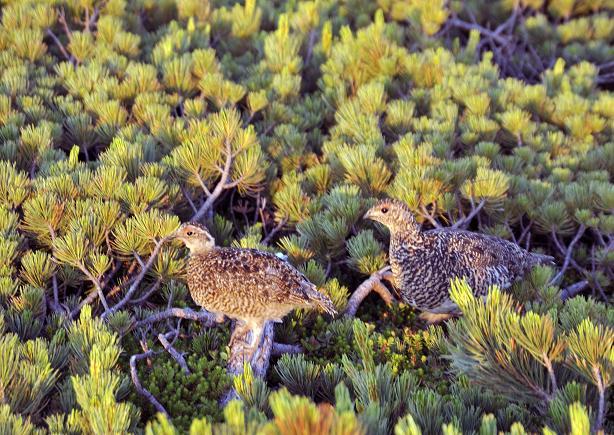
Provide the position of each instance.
(277, 126)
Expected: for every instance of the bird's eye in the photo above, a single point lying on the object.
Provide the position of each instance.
(384, 210)
(190, 233)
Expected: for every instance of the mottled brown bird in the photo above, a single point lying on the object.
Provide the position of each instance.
(245, 284)
(424, 262)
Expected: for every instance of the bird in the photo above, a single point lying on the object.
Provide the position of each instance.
(247, 285)
(423, 263)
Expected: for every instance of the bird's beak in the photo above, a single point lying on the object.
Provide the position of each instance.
(367, 215)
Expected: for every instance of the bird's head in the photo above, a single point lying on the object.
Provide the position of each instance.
(395, 214)
(195, 237)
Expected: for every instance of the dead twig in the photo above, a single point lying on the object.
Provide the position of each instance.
(456, 22)
(97, 285)
(56, 294)
(428, 216)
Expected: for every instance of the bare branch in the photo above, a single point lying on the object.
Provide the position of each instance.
(183, 313)
(278, 227)
(188, 198)
(148, 293)
(97, 285)
(177, 356)
(56, 293)
(429, 217)
(59, 44)
(374, 282)
(135, 285)
(220, 186)
(137, 382)
(281, 348)
(467, 220)
(568, 254)
(62, 21)
(310, 44)
(203, 186)
(574, 289)
(483, 30)
(90, 20)
(241, 352)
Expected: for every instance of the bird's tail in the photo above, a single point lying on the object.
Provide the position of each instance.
(541, 259)
(322, 302)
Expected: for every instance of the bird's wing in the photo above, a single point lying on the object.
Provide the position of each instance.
(480, 251)
(287, 283)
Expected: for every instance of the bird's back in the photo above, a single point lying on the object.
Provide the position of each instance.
(426, 264)
(248, 283)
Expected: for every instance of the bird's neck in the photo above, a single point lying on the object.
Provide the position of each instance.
(201, 249)
(405, 234)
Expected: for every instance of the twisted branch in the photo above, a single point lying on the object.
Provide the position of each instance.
(373, 283)
(137, 382)
(177, 356)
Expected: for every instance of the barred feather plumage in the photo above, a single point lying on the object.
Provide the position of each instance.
(424, 262)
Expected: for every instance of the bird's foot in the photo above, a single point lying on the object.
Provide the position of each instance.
(434, 318)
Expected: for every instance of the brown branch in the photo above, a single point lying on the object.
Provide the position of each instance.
(187, 196)
(97, 285)
(62, 21)
(425, 214)
(374, 282)
(56, 293)
(89, 21)
(310, 44)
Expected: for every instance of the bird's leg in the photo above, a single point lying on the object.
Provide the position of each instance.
(257, 331)
(237, 333)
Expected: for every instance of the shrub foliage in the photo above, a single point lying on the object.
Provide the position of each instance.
(277, 124)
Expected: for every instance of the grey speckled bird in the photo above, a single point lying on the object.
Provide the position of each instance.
(245, 284)
(424, 262)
